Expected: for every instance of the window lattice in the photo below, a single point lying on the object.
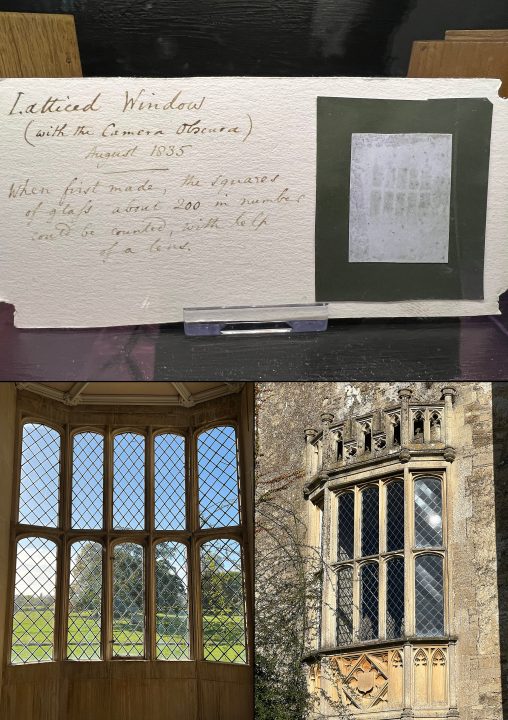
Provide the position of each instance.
(114, 527)
(370, 521)
(429, 595)
(169, 459)
(395, 516)
(428, 511)
(172, 605)
(223, 601)
(369, 602)
(87, 480)
(129, 481)
(395, 598)
(346, 526)
(85, 601)
(218, 478)
(128, 600)
(34, 601)
(40, 474)
(345, 605)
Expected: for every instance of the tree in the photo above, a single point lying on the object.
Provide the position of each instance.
(222, 591)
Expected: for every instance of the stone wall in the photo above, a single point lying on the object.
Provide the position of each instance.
(286, 410)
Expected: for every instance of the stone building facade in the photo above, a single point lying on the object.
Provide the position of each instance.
(394, 484)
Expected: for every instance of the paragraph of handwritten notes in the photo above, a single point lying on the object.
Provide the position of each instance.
(124, 200)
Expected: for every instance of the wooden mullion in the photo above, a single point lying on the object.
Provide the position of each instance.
(194, 576)
(150, 609)
(107, 570)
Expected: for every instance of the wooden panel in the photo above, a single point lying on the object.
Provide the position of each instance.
(461, 59)
(121, 690)
(490, 35)
(38, 45)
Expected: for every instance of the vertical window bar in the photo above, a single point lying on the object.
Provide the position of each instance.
(428, 512)
(370, 521)
(429, 601)
(395, 597)
(345, 543)
(369, 602)
(33, 626)
(345, 606)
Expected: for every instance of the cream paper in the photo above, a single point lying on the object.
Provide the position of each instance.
(124, 200)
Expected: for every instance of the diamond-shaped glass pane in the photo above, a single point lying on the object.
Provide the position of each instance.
(395, 598)
(172, 601)
(429, 595)
(85, 601)
(346, 526)
(129, 481)
(369, 602)
(395, 516)
(370, 522)
(128, 601)
(218, 478)
(428, 530)
(87, 480)
(169, 457)
(222, 598)
(345, 606)
(40, 471)
(34, 601)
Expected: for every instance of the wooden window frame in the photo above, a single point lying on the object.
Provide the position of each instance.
(193, 536)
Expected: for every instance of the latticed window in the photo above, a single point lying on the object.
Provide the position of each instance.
(389, 560)
(128, 543)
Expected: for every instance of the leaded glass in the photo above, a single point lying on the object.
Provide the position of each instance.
(429, 595)
(128, 600)
(129, 481)
(428, 511)
(395, 598)
(34, 601)
(370, 521)
(85, 601)
(222, 601)
(395, 516)
(346, 526)
(172, 606)
(169, 459)
(218, 478)
(87, 480)
(369, 602)
(345, 605)
(40, 474)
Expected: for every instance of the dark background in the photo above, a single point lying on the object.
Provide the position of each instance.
(170, 38)
(260, 37)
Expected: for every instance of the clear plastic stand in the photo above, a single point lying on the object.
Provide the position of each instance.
(256, 319)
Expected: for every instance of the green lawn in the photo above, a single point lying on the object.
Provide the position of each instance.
(33, 634)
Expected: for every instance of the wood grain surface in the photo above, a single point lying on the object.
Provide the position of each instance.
(38, 45)
(460, 59)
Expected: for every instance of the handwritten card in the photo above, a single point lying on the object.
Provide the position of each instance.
(124, 200)
(400, 197)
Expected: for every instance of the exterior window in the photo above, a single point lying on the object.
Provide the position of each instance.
(123, 526)
(377, 553)
(429, 595)
(369, 602)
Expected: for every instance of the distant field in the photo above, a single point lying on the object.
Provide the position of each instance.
(34, 635)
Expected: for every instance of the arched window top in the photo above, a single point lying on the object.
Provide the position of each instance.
(40, 475)
(169, 477)
(129, 480)
(218, 477)
(428, 511)
(87, 480)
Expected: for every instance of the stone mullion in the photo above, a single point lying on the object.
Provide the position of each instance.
(409, 604)
(356, 555)
(327, 626)
(382, 602)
